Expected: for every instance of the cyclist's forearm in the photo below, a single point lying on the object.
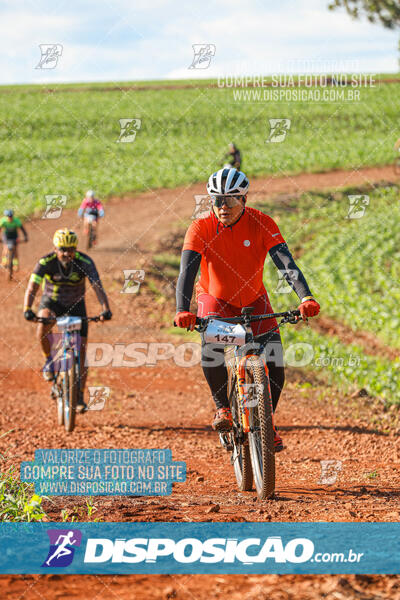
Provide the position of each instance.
(190, 263)
(30, 295)
(284, 261)
(24, 231)
(101, 295)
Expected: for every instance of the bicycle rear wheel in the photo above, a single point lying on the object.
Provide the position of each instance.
(70, 393)
(241, 452)
(261, 435)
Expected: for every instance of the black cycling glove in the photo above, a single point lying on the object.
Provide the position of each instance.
(107, 314)
(29, 315)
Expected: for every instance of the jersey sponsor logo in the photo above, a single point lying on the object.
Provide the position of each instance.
(246, 243)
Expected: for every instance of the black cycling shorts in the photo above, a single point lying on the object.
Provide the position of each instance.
(76, 310)
(9, 236)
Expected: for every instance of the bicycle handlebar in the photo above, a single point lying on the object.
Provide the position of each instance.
(289, 316)
(47, 320)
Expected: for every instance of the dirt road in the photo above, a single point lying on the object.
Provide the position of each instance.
(167, 406)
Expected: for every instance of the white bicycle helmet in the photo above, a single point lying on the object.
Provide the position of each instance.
(228, 182)
(90, 194)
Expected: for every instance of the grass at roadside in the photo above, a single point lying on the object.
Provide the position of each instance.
(353, 268)
(18, 502)
(351, 264)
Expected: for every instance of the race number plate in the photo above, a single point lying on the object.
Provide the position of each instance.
(220, 332)
(69, 323)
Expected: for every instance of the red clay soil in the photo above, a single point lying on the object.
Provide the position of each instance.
(168, 406)
(368, 341)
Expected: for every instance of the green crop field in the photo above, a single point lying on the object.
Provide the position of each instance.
(353, 268)
(65, 141)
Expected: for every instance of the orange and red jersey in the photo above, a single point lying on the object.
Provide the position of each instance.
(232, 257)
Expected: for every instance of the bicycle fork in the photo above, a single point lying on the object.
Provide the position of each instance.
(244, 390)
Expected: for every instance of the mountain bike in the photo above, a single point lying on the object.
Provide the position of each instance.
(251, 440)
(67, 368)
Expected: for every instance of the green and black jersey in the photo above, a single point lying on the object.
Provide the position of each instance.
(66, 286)
(10, 228)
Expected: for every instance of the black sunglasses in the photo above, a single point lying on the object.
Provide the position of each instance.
(229, 201)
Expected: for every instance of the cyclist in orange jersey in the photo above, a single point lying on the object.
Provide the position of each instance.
(230, 246)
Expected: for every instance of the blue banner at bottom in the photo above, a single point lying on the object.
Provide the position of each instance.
(254, 548)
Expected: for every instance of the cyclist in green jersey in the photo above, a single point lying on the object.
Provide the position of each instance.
(9, 226)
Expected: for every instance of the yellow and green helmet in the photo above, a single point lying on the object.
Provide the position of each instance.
(65, 238)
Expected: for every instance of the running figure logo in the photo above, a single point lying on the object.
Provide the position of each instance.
(358, 206)
(203, 54)
(54, 205)
(129, 128)
(203, 206)
(62, 547)
(50, 55)
(97, 397)
(283, 286)
(278, 130)
(133, 280)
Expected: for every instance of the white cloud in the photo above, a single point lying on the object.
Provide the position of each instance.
(118, 40)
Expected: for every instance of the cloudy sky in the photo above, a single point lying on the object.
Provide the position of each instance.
(122, 40)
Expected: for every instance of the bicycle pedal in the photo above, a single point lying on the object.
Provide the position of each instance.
(225, 442)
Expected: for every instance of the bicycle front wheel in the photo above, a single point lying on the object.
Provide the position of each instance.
(261, 435)
(70, 393)
(59, 397)
(10, 263)
(241, 452)
(89, 241)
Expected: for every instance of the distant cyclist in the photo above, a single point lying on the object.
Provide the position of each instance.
(230, 245)
(63, 273)
(233, 157)
(91, 209)
(9, 226)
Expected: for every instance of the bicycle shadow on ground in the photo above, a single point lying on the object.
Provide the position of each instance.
(338, 493)
(338, 428)
(160, 428)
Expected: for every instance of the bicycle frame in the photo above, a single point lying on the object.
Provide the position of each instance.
(241, 365)
(241, 360)
(70, 341)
